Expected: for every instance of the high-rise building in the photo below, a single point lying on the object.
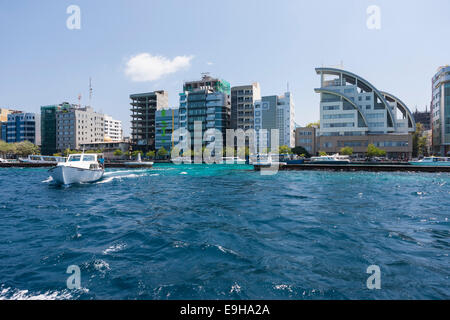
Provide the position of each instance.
(143, 109)
(440, 111)
(353, 113)
(424, 118)
(275, 112)
(167, 121)
(206, 101)
(4, 121)
(23, 127)
(306, 137)
(78, 125)
(242, 100)
(48, 126)
(113, 129)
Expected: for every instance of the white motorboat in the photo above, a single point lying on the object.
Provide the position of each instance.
(233, 160)
(139, 163)
(432, 161)
(334, 159)
(266, 160)
(79, 168)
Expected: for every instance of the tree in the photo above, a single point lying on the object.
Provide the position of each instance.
(313, 124)
(135, 153)
(373, 151)
(243, 152)
(175, 151)
(346, 151)
(301, 151)
(415, 139)
(26, 148)
(162, 152)
(151, 154)
(187, 153)
(322, 153)
(228, 151)
(118, 153)
(284, 150)
(4, 148)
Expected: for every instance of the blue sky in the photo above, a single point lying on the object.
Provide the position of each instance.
(42, 62)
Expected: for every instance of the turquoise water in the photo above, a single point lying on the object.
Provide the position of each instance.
(212, 232)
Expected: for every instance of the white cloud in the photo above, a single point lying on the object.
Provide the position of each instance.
(145, 67)
(210, 63)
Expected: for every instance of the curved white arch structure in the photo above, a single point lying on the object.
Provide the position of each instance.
(403, 108)
(339, 94)
(361, 83)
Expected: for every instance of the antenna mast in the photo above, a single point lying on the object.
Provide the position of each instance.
(90, 91)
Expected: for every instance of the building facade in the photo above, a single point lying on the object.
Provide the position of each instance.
(4, 121)
(242, 105)
(306, 137)
(206, 101)
(275, 112)
(23, 127)
(440, 111)
(48, 126)
(108, 148)
(424, 118)
(353, 113)
(78, 125)
(113, 129)
(167, 121)
(143, 110)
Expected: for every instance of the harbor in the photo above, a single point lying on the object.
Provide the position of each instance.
(196, 231)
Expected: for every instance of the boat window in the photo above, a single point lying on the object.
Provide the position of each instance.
(75, 158)
(89, 158)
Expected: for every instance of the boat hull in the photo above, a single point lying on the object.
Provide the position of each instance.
(138, 164)
(330, 162)
(71, 175)
(431, 164)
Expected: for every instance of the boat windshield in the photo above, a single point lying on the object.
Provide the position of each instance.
(88, 158)
(74, 158)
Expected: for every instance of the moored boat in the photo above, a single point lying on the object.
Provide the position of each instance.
(334, 159)
(43, 159)
(79, 168)
(432, 161)
(139, 163)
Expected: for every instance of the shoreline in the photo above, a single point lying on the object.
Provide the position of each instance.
(289, 167)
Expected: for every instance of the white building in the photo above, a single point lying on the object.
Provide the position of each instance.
(286, 120)
(113, 129)
(275, 112)
(76, 126)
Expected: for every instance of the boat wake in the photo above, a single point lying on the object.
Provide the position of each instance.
(50, 179)
(15, 294)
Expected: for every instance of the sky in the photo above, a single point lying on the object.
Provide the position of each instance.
(139, 46)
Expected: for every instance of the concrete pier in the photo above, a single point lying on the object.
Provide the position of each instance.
(361, 167)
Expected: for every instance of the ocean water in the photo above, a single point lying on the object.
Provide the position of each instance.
(218, 232)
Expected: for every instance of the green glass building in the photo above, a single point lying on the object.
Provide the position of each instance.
(48, 127)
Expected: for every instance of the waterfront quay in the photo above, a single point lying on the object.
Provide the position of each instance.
(358, 167)
(370, 167)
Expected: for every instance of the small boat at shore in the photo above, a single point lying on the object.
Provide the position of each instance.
(138, 163)
(265, 160)
(43, 159)
(334, 159)
(233, 160)
(79, 168)
(432, 161)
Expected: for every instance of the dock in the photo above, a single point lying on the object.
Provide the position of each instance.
(359, 167)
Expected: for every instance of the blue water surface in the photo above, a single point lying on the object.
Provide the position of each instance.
(225, 232)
